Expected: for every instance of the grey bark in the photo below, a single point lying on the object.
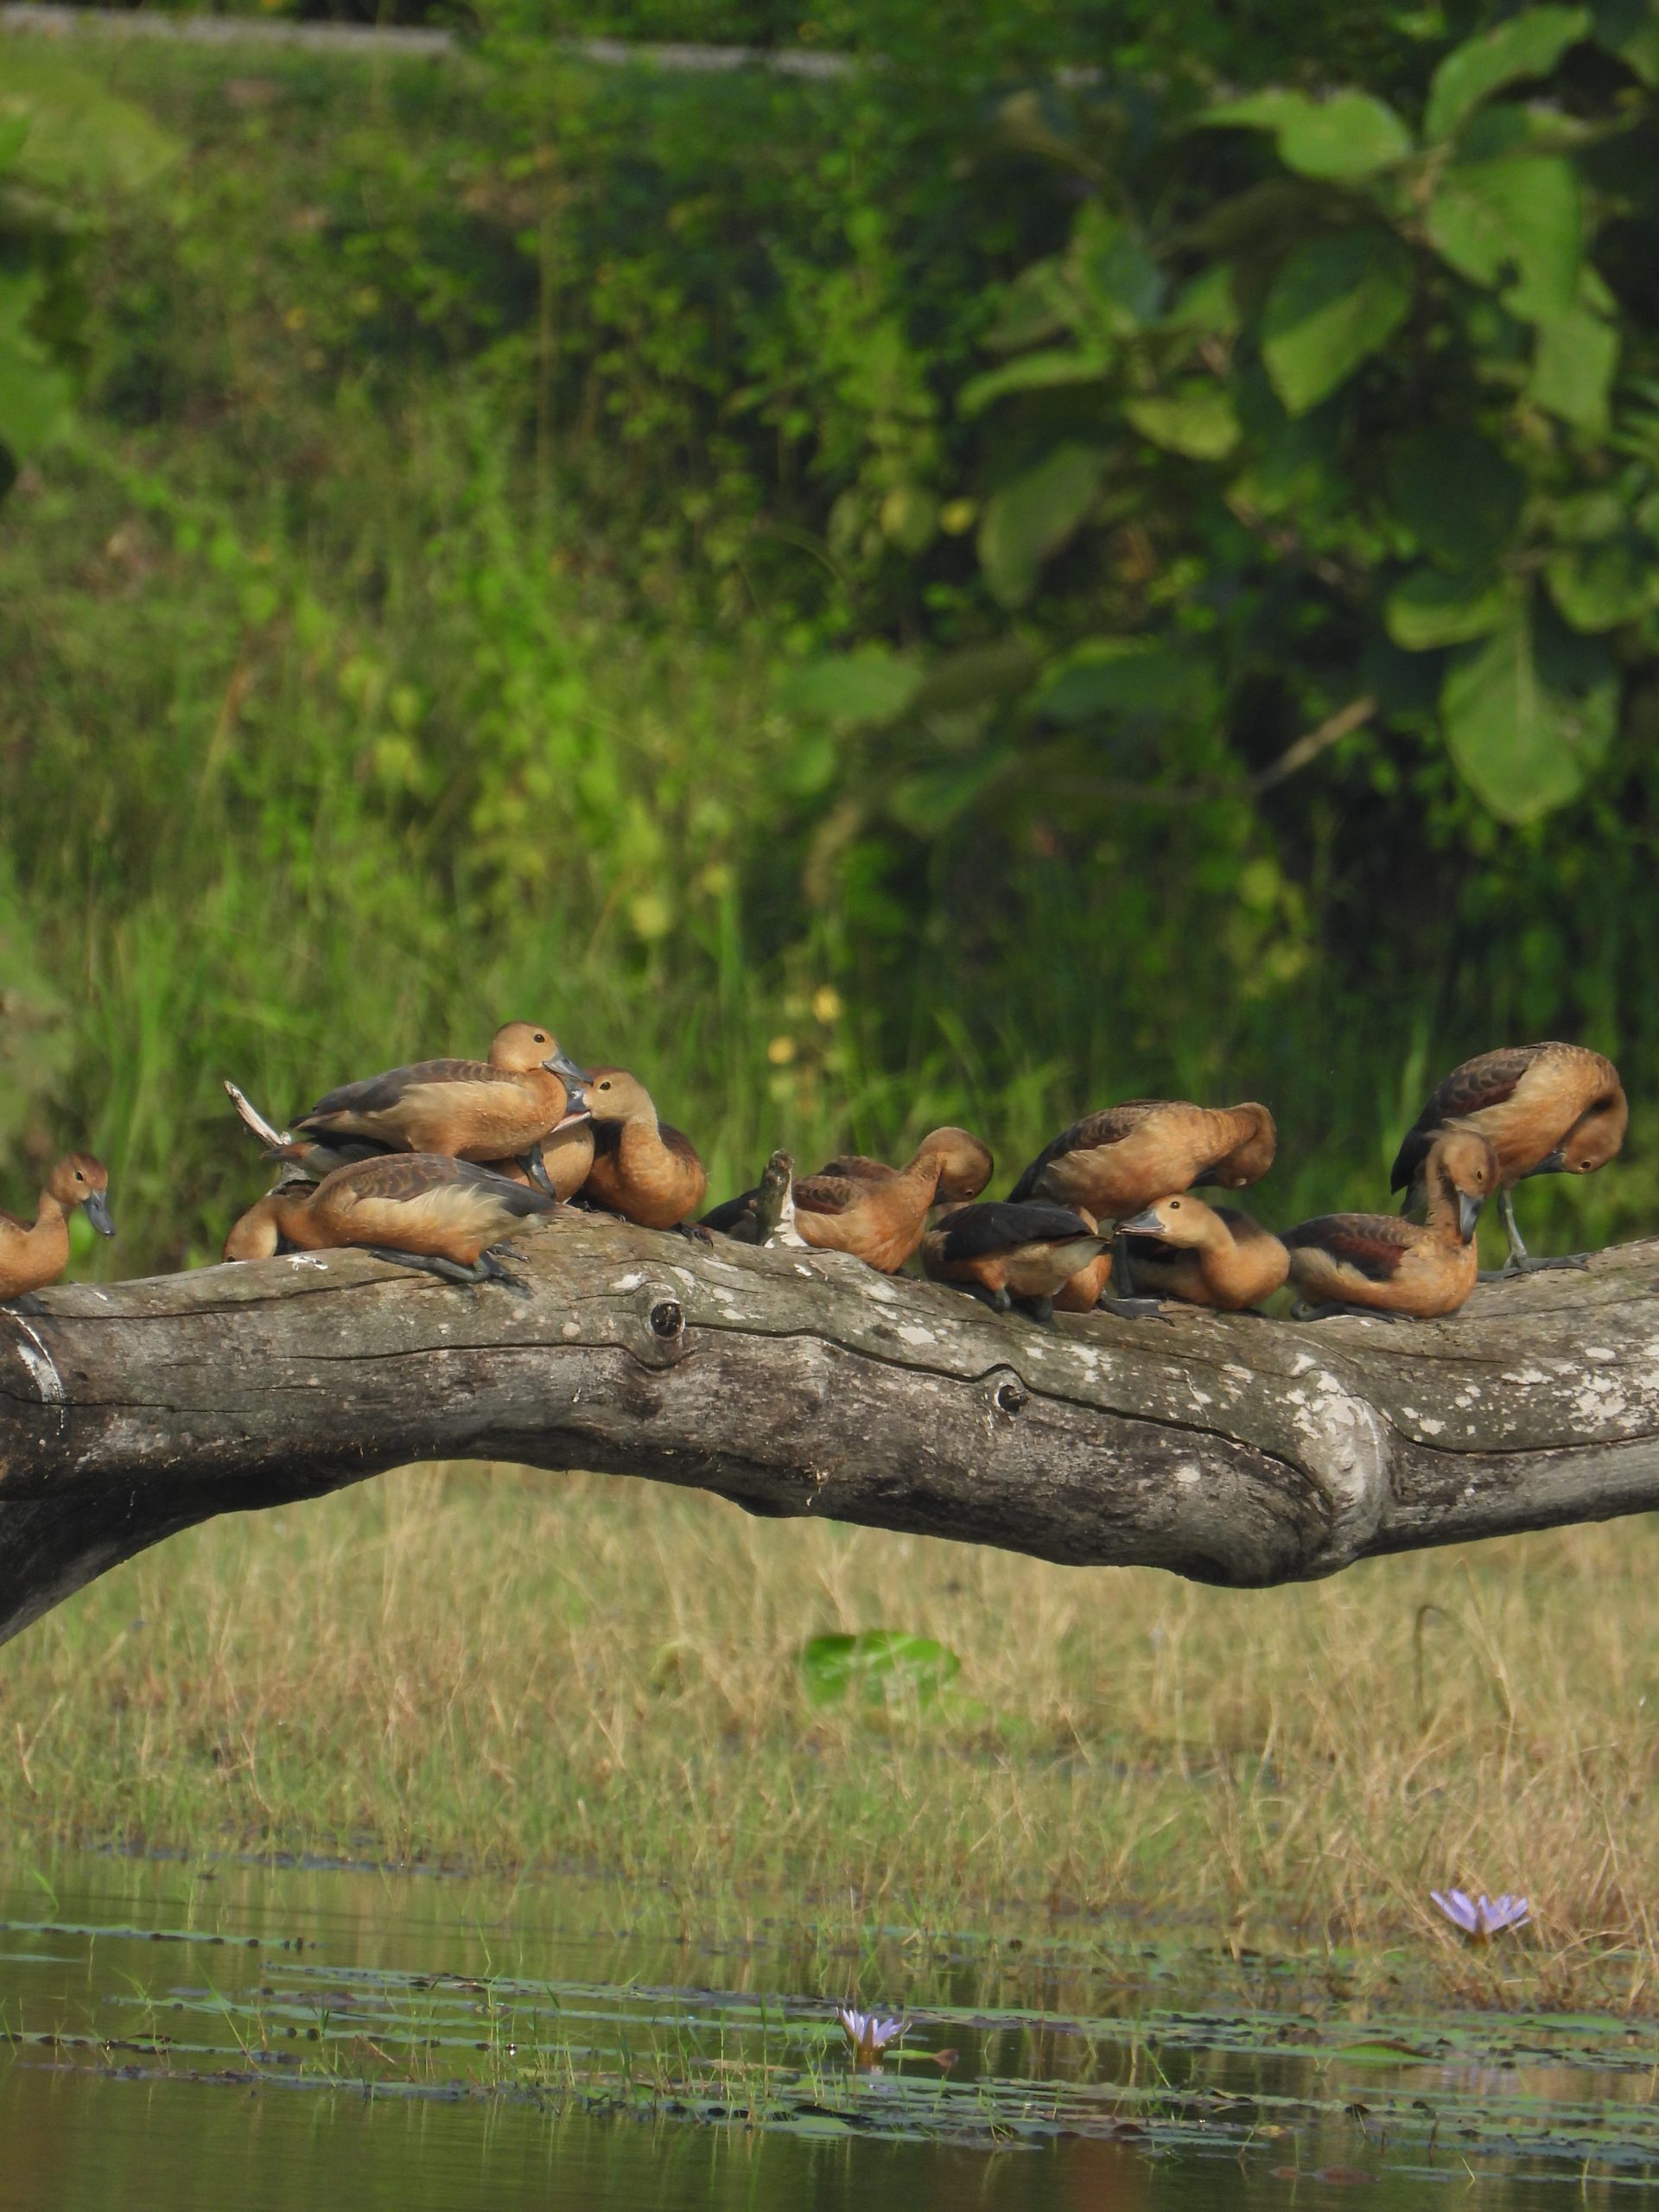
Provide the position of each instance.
(1224, 1447)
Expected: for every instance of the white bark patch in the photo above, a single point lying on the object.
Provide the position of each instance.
(41, 1366)
(913, 1333)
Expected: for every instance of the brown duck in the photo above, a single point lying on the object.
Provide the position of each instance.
(33, 1254)
(1203, 1255)
(643, 1168)
(1010, 1253)
(1116, 1161)
(1088, 1287)
(502, 1108)
(1379, 1263)
(878, 1213)
(1545, 1109)
(420, 1209)
(567, 1149)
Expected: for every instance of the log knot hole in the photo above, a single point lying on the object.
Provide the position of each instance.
(1009, 1396)
(667, 1320)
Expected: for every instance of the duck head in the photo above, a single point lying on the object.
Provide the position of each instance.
(1462, 1166)
(1251, 1157)
(613, 1095)
(521, 1047)
(81, 1180)
(965, 1165)
(1594, 1139)
(1185, 1222)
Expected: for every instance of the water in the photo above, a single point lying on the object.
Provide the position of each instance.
(195, 2037)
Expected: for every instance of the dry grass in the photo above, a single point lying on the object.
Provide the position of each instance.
(516, 1669)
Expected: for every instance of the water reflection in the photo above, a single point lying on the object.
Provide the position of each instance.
(202, 2036)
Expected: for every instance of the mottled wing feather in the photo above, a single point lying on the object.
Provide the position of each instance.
(1373, 1244)
(972, 1232)
(827, 1193)
(1487, 1080)
(377, 1094)
(853, 1167)
(1110, 1126)
(409, 1178)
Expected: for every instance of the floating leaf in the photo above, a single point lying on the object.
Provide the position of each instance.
(1573, 368)
(881, 1662)
(1031, 518)
(1522, 217)
(1347, 135)
(1528, 45)
(1197, 419)
(1523, 734)
(1456, 494)
(1429, 608)
(873, 685)
(1337, 300)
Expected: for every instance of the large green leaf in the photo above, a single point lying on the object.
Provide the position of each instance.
(1046, 371)
(35, 394)
(1520, 219)
(1630, 28)
(1197, 419)
(1597, 586)
(1143, 677)
(1573, 368)
(1031, 518)
(1456, 494)
(1524, 728)
(1116, 272)
(881, 1663)
(1528, 45)
(1347, 135)
(870, 686)
(1337, 300)
(1430, 608)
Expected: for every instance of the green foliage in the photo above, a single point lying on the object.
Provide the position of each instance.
(883, 1664)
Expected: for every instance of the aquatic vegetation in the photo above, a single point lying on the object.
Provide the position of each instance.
(1481, 1919)
(868, 2034)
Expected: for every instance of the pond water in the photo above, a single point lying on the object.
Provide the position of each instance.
(197, 2035)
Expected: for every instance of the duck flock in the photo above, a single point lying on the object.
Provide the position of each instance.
(436, 1165)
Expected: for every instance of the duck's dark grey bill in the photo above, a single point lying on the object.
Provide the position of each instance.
(1552, 1163)
(98, 1212)
(1142, 1225)
(1468, 1214)
(561, 1064)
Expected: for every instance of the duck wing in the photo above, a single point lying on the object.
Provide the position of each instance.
(1487, 1080)
(376, 1094)
(829, 1194)
(1373, 1244)
(852, 1166)
(1001, 1224)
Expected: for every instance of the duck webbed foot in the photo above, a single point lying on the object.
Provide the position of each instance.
(1338, 1309)
(1039, 1310)
(1523, 1264)
(486, 1268)
(1131, 1308)
(998, 1301)
(695, 1233)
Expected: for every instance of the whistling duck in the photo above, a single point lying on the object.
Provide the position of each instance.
(34, 1254)
(1119, 1160)
(643, 1169)
(1378, 1263)
(420, 1209)
(1203, 1255)
(1545, 1109)
(878, 1213)
(756, 1217)
(1006, 1253)
(528, 1088)
(1088, 1287)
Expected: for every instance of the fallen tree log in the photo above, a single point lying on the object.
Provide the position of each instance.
(1224, 1447)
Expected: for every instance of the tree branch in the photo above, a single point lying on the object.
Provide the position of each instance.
(1224, 1447)
(1296, 755)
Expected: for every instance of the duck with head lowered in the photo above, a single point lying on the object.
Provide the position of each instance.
(1545, 1109)
(509, 1107)
(1009, 1254)
(1379, 1263)
(34, 1254)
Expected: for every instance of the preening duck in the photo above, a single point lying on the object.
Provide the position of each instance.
(1008, 1254)
(33, 1254)
(528, 1090)
(878, 1213)
(643, 1168)
(421, 1210)
(1083, 1292)
(1203, 1255)
(1380, 1263)
(1545, 1109)
(1124, 1158)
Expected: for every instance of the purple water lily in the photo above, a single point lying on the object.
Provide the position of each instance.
(1481, 1919)
(868, 2033)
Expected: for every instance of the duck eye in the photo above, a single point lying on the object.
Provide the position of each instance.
(1174, 1206)
(80, 1178)
(539, 1038)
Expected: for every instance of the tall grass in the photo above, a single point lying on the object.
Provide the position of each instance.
(500, 1669)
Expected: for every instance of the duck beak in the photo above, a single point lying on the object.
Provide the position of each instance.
(576, 1108)
(1468, 1214)
(96, 1209)
(561, 1064)
(1145, 1224)
(1552, 1163)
